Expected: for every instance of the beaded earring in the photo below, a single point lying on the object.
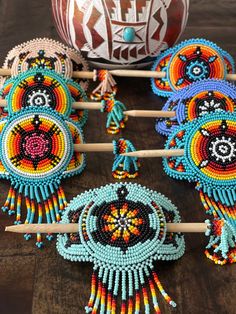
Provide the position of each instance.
(190, 61)
(124, 166)
(37, 151)
(106, 93)
(43, 87)
(195, 101)
(45, 53)
(122, 231)
(222, 243)
(209, 159)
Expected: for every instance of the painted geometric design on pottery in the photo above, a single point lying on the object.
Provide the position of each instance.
(97, 27)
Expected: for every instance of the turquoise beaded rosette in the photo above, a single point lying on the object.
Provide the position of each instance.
(209, 159)
(44, 88)
(122, 230)
(190, 61)
(37, 152)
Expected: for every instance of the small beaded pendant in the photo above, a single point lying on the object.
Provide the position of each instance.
(190, 61)
(195, 101)
(37, 151)
(209, 159)
(124, 166)
(122, 230)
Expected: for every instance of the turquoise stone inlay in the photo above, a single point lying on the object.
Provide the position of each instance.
(129, 34)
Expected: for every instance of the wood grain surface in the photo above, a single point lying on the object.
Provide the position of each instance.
(40, 281)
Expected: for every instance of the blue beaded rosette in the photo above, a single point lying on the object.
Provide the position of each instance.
(37, 152)
(122, 231)
(188, 62)
(209, 159)
(195, 101)
(161, 86)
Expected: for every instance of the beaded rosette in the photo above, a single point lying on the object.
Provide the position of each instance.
(122, 230)
(44, 88)
(209, 159)
(190, 61)
(45, 53)
(161, 86)
(36, 153)
(195, 101)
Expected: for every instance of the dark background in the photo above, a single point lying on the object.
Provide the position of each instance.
(34, 281)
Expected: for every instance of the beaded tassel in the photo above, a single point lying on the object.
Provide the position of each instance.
(130, 303)
(106, 87)
(34, 198)
(124, 166)
(122, 230)
(115, 116)
(106, 92)
(222, 243)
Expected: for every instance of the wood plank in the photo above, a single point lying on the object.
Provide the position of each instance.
(16, 283)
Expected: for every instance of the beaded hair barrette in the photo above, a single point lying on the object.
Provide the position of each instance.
(122, 231)
(45, 53)
(209, 159)
(190, 61)
(197, 100)
(41, 145)
(37, 151)
(44, 88)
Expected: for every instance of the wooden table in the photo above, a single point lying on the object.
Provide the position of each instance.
(41, 282)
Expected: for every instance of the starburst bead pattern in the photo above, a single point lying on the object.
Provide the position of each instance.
(122, 231)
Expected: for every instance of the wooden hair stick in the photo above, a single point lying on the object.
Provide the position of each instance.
(73, 228)
(75, 105)
(150, 113)
(92, 75)
(155, 153)
(131, 113)
(109, 147)
(152, 74)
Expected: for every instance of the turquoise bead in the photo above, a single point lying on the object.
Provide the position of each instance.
(129, 34)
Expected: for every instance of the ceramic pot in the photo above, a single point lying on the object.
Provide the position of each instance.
(125, 33)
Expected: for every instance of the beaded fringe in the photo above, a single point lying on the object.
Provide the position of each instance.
(134, 287)
(222, 205)
(107, 86)
(124, 166)
(48, 199)
(115, 115)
